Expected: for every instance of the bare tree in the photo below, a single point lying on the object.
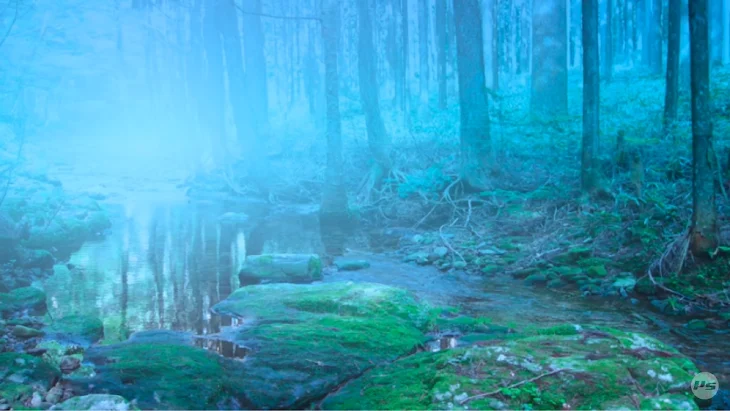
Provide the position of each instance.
(591, 95)
(549, 57)
(703, 230)
(473, 102)
(378, 139)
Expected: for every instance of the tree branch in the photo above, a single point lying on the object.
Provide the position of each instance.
(273, 16)
(12, 23)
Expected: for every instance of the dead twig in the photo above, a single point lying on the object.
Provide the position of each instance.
(515, 385)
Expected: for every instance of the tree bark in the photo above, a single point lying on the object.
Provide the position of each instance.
(703, 230)
(549, 92)
(443, 44)
(591, 95)
(672, 81)
(378, 140)
(473, 102)
(496, 45)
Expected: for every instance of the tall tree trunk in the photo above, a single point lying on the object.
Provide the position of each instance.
(405, 78)
(656, 37)
(549, 94)
(725, 32)
(473, 102)
(716, 29)
(334, 209)
(608, 66)
(213, 103)
(496, 45)
(703, 230)
(591, 95)
(378, 140)
(423, 52)
(442, 47)
(256, 80)
(237, 92)
(672, 82)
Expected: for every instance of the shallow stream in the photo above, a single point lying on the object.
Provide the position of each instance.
(165, 263)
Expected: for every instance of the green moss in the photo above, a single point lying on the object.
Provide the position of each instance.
(20, 299)
(594, 373)
(76, 329)
(597, 271)
(163, 376)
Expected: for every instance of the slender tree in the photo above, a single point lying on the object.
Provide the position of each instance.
(672, 81)
(213, 110)
(241, 106)
(655, 36)
(608, 66)
(496, 45)
(591, 95)
(404, 66)
(474, 127)
(334, 209)
(423, 51)
(443, 45)
(378, 139)
(256, 79)
(703, 230)
(549, 93)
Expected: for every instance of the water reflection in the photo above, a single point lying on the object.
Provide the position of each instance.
(162, 267)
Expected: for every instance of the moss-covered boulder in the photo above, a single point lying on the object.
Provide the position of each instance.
(162, 376)
(30, 299)
(80, 330)
(95, 402)
(280, 268)
(560, 368)
(305, 340)
(20, 374)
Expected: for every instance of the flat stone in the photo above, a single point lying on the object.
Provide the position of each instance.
(352, 265)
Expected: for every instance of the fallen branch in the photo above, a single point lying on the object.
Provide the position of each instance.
(515, 385)
(446, 242)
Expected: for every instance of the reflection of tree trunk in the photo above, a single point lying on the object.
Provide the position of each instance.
(195, 266)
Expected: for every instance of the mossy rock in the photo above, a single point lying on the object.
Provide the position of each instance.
(352, 265)
(597, 271)
(81, 330)
(281, 268)
(536, 279)
(95, 402)
(573, 256)
(586, 368)
(19, 373)
(70, 228)
(29, 299)
(162, 376)
(306, 340)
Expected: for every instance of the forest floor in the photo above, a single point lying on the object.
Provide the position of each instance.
(533, 222)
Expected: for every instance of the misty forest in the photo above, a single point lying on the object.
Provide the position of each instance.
(364, 204)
